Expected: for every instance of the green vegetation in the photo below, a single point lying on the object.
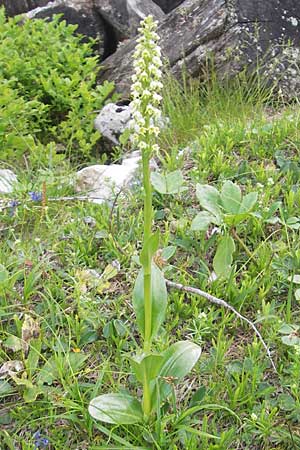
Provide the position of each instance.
(67, 334)
(47, 90)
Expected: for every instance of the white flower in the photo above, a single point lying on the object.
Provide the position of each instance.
(146, 88)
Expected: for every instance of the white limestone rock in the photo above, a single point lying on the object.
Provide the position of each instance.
(112, 121)
(102, 183)
(7, 181)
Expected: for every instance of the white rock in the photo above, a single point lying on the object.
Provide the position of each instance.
(102, 183)
(7, 181)
(112, 121)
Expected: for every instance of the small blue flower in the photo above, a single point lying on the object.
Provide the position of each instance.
(40, 441)
(12, 207)
(35, 196)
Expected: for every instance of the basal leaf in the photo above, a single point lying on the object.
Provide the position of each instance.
(248, 202)
(116, 408)
(202, 221)
(159, 182)
(171, 183)
(159, 300)
(231, 197)
(147, 366)
(209, 199)
(178, 361)
(223, 257)
(168, 252)
(174, 182)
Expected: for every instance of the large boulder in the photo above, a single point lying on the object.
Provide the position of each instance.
(236, 35)
(124, 15)
(15, 7)
(168, 5)
(76, 12)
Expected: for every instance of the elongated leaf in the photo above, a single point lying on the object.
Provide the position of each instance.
(202, 221)
(116, 408)
(168, 252)
(159, 300)
(150, 247)
(209, 199)
(248, 202)
(231, 197)
(179, 359)
(147, 367)
(223, 257)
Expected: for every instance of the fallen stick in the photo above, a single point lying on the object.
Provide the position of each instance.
(220, 302)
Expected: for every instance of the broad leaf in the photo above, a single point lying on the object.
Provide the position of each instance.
(179, 359)
(248, 202)
(202, 221)
(171, 183)
(223, 257)
(116, 408)
(209, 199)
(231, 197)
(147, 367)
(159, 300)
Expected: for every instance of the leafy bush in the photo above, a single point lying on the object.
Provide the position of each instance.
(47, 88)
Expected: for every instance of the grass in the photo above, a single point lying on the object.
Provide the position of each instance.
(233, 399)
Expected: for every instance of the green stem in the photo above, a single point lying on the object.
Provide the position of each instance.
(147, 264)
(146, 397)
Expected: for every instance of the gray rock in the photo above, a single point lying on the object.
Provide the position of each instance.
(168, 5)
(112, 121)
(139, 9)
(102, 183)
(7, 181)
(76, 12)
(124, 15)
(14, 7)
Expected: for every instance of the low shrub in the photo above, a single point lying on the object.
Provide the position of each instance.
(48, 86)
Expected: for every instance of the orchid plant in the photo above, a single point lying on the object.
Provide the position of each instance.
(152, 369)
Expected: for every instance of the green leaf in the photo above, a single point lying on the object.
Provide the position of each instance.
(293, 222)
(150, 247)
(291, 339)
(159, 300)
(168, 252)
(159, 182)
(5, 388)
(223, 258)
(202, 221)
(116, 408)
(248, 202)
(147, 366)
(171, 183)
(31, 393)
(178, 361)
(231, 197)
(288, 329)
(209, 199)
(13, 343)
